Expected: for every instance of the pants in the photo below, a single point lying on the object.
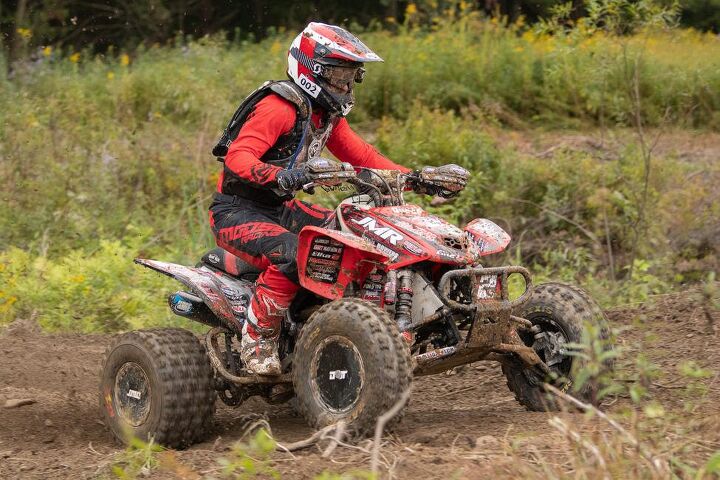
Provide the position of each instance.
(266, 237)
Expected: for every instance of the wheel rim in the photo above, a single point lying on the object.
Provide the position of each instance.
(132, 394)
(338, 374)
(550, 345)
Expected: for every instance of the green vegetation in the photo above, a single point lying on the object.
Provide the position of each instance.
(104, 158)
(29, 25)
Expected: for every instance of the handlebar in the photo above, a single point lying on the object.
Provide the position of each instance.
(385, 187)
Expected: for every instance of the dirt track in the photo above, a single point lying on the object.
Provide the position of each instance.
(453, 425)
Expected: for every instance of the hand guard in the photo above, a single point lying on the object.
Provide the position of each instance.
(445, 181)
(316, 171)
(292, 179)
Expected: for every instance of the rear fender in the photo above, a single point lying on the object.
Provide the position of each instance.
(227, 297)
(328, 261)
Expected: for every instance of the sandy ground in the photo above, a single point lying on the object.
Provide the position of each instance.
(458, 425)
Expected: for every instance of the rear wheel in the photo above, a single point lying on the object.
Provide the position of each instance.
(349, 364)
(561, 313)
(157, 384)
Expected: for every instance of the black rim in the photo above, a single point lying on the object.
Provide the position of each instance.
(338, 373)
(550, 344)
(132, 394)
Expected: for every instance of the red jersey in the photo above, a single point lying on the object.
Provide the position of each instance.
(274, 116)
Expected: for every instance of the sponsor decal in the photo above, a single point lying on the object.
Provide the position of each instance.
(487, 285)
(323, 263)
(133, 394)
(214, 258)
(412, 247)
(183, 306)
(309, 86)
(338, 374)
(231, 294)
(443, 352)
(446, 254)
(391, 254)
(240, 309)
(386, 233)
(108, 403)
(338, 188)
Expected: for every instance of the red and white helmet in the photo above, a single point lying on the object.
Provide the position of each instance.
(325, 61)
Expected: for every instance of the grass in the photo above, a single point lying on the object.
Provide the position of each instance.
(104, 158)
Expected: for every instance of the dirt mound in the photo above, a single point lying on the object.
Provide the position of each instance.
(455, 423)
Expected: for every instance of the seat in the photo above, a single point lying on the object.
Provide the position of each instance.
(227, 262)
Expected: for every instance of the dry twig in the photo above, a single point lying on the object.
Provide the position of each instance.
(565, 429)
(380, 426)
(335, 439)
(337, 428)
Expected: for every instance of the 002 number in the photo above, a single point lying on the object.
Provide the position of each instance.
(311, 87)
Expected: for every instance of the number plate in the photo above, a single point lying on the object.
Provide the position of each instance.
(487, 287)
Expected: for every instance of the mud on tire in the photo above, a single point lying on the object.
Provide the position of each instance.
(157, 384)
(350, 364)
(562, 310)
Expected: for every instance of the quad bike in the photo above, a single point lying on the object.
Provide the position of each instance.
(389, 292)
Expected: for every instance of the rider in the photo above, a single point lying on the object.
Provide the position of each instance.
(278, 127)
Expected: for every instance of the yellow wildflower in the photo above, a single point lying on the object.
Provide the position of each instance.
(24, 32)
(75, 57)
(390, 19)
(410, 10)
(47, 51)
(78, 278)
(275, 47)
(124, 60)
(518, 49)
(110, 75)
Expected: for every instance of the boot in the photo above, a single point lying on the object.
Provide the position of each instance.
(259, 354)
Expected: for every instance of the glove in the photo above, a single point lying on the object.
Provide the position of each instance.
(445, 181)
(292, 179)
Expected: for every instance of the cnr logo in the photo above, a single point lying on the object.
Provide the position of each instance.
(386, 233)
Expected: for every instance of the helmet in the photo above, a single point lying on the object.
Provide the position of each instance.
(325, 61)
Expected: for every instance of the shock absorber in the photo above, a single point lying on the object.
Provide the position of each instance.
(404, 298)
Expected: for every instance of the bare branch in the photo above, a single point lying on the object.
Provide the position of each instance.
(380, 426)
(658, 464)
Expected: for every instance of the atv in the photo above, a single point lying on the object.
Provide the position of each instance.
(389, 292)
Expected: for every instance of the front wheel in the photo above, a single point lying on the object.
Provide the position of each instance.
(350, 364)
(157, 384)
(561, 315)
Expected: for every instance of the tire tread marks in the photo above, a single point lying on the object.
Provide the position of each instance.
(576, 307)
(185, 379)
(387, 362)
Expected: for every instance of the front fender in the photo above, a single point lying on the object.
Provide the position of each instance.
(487, 236)
(328, 261)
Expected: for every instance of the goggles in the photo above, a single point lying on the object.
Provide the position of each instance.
(340, 76)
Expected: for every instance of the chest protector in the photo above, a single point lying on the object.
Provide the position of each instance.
(293, 148)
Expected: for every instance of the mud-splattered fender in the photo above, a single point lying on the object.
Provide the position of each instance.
(328, 260)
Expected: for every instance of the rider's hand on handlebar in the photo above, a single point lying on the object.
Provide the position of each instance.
(316, 171)
(445, 181)
(292, 179)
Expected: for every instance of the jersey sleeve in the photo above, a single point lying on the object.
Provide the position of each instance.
(271, 117)
(347, 146)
